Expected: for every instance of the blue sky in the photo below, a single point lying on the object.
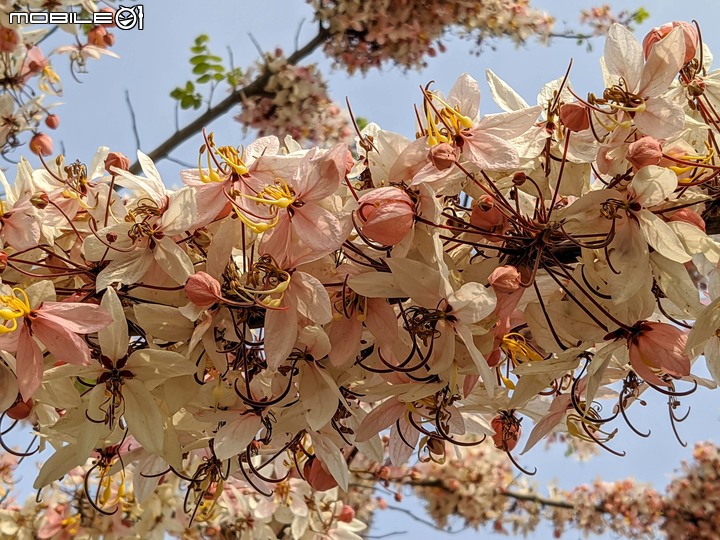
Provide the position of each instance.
(156, 60)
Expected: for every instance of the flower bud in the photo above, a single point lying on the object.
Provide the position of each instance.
(442, 156)
(118, 160)
(9, 39)
(99, 37)
(108, 10)
(519, 178)
(645, 151)
(203, 290)
(52, 121)
(689, 33)
(689, 216)
(347, 514)
(487, 217)
(386, 215)
(40, 200)
(574, 116)
(505, 279)
(41, 144)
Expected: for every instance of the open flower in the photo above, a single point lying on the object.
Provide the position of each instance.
(55, 325)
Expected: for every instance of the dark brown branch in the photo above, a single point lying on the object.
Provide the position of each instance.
(254, 88)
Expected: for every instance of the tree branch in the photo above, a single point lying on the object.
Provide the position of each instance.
(254, 88)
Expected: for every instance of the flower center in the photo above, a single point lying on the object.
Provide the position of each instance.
(14, 307)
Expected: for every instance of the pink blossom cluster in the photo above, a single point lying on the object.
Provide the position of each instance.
(365, 35)
(28, 76)
(693, 496)
(288, 310)
(295, 102)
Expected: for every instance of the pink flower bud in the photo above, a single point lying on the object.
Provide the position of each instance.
(52, 121)
(9, 39)
(41, 144)
(645, 151)
(203, 290)
(574, 116)
(109, 10)
(382, 504)
(116, 159)
(658, 33)
(487, 217)
(347, 514)
(386, 215)
(442, 155)
(99, 37)
(689, 216)
(505, 279)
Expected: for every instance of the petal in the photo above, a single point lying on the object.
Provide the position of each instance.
(143, 416)
(76, 317)
(380, 418)
(234, 437)
(281, 329)
(114, 338)
(319, 229)
(310, 297)
(29, 364)
(61, 342)
(623, 58)
(173, 260)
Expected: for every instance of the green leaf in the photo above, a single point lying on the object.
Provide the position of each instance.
(189, 87)
(186, 102)
(640, 15)
(177, 93)
(217, 69)
(198, 50)
(201, 69)
(199, 59)
(203, 79)
(202, 38)
(218, 76)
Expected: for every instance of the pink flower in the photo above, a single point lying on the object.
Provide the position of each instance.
(386, 215)
(54, 324)
(659, 347)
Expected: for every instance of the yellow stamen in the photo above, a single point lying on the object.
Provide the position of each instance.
(279, 195)
(517, 349)
(14, 309)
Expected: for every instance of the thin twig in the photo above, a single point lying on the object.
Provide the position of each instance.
(252, 89)
(133, 120)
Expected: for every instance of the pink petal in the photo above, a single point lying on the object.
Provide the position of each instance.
(61, 342)
(76, 317)
(29, 364)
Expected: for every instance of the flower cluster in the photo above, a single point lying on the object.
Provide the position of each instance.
(295, 102)
(28, 76)
(365, 35)
(268, 322)
(693, 497)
